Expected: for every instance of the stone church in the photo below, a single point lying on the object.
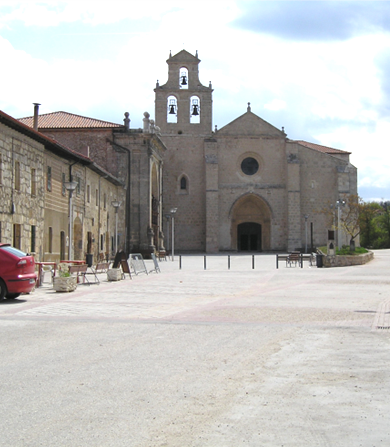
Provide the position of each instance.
(246, 186)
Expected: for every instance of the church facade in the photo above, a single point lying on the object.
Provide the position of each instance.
(246, 186)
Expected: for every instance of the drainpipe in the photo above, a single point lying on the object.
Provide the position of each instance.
(36, 114)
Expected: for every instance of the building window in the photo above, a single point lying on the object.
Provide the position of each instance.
(63, 184)
(33, 182)
(17, 176)
(50, 239)
(97, 197)
(48, 179)
(78, 189)
(172, 110)
(33, 232)
(250, 166)
(17, 236)
(183, 183)
(105, 201)
(194, 110)
(183, 81)
(102, 242)
(88, 194)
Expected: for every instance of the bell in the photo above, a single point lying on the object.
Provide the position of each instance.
(184, 80)
(195, 110)
(172, 110)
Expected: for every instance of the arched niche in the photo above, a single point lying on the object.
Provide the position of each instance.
(171, 109)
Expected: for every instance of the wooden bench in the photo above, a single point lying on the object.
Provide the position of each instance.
(294, 258)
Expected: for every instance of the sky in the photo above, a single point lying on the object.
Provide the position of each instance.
(320, 69)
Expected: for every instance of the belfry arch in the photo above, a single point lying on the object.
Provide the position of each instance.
(250, 224)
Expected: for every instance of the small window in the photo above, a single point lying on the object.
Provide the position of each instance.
(50, 240)
(33, 182)
(105, 201)
(17, 236)
(97, 197)
(63, 184)
(183, 80)
(17, 176)
(183, 183)
(78, 189)
(48, 180)
(33, 238)
(172, 109)
(88, 194)
(194, 110)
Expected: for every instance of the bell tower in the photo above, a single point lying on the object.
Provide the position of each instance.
(183, 105)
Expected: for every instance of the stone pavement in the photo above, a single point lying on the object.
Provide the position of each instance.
(195, 357)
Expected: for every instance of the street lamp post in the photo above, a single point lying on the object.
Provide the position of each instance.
(70, 186)
(167, 216)
(339, 204)
(306, 217)
(173, 212)
(116, 204)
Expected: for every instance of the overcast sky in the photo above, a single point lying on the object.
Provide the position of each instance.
(320, 69)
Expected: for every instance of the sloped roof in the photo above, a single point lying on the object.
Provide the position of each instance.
(55, 147)
(65, 120)
(183, 56)
(250, 124)
(325, 149)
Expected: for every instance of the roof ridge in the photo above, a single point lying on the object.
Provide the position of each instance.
(70, 114)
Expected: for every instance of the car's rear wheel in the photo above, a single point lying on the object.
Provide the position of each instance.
(3, 289)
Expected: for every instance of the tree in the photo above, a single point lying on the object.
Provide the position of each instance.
(368, 223)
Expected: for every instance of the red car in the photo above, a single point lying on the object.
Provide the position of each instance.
(17, 272)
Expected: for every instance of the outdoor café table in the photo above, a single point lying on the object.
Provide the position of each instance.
(41, 273)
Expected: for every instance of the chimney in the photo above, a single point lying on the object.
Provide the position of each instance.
(36, 114)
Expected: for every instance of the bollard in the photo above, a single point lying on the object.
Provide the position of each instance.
(180, 262)
(204, 262)
(253, 262)
(228, 262)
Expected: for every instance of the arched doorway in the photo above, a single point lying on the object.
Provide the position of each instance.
(250, 224)
(249, 236)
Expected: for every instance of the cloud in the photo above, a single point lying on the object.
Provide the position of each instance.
(315, 20)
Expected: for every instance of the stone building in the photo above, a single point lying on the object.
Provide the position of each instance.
(34, 201)
(134, 156)
(246, 186)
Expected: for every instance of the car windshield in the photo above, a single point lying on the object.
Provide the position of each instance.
(14, 251)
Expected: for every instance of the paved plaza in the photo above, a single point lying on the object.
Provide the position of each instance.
(219, 357)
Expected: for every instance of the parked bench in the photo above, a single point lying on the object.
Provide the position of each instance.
(291, 258)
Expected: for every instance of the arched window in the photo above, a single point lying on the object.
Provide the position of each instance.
(183, 184)
(183, 79)
(194, 110)
(171, 109)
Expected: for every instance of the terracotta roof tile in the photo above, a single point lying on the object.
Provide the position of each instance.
(318, 147)
(65, 120)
